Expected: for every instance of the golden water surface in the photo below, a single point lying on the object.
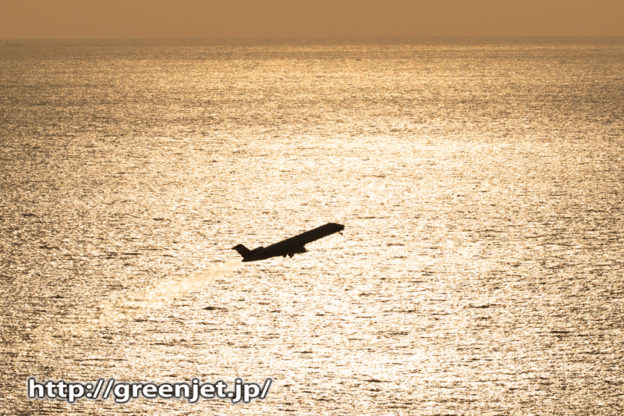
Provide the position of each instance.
(481, 184)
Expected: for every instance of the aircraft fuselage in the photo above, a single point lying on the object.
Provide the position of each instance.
(290, 246)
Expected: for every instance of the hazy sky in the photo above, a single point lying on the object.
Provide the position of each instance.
(308, 18)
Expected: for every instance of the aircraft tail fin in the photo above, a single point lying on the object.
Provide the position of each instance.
(242, 250)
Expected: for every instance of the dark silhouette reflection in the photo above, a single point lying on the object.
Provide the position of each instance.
(290, 246)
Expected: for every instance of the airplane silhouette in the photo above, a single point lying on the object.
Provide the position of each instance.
(290, 246)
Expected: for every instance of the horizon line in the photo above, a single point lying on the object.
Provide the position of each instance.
(324, 37)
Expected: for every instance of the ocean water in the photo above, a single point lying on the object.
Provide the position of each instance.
(480, 182)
